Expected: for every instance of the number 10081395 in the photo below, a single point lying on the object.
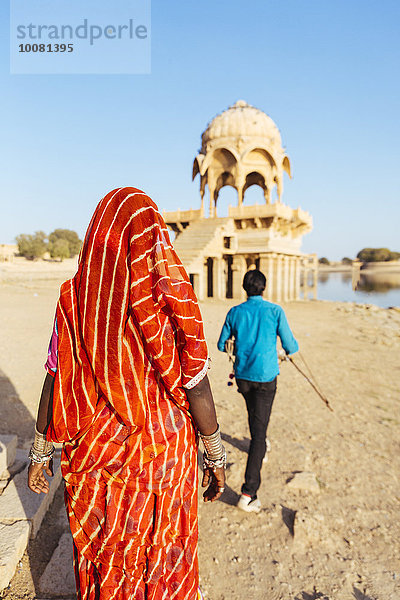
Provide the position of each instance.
(57, 48)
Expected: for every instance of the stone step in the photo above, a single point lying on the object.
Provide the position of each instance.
(190, 245)
(21, 514)
(193, 249)
(8, 449)
(186, 256)
(19, 503)
(13, 542)
(58, 578)
(20, 462)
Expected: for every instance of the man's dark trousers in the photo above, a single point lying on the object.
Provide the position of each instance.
(259, 397)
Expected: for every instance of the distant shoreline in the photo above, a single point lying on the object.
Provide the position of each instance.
(45, 273)
(376, 267)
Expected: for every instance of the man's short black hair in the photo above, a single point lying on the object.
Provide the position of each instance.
(254, 282)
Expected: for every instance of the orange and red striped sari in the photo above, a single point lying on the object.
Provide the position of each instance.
(130, 339)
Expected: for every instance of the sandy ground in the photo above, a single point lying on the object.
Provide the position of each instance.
(338, 541)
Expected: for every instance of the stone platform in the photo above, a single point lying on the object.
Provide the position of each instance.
(21, 510)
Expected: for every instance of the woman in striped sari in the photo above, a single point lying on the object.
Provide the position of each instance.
(126, 393)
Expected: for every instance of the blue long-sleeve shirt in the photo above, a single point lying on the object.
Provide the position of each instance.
(255, 325)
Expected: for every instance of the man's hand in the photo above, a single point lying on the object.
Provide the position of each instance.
(37, 482)
(215, 480)
(282, 355)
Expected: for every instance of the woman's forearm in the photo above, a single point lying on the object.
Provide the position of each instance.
(202, 407)
(46, 405)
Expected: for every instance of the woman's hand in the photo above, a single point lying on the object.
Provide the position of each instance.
(215, 480)
(37, 482)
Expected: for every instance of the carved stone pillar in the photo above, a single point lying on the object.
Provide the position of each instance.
(274, 278)
(270, 277)
(292, 261)
(199, 285)
(297, 279)
(218, 277)
(279, 188)
(240, 196)
(285, 264)
(205, 279)
(289, 290)
(315, 278)
(283, 278)
(267, 267)
(264, 264)
(211, 211)
(238, 272)
(305, 282)
(240, 183)
(202, 203)
(278, 290)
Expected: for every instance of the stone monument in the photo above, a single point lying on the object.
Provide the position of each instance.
(242, 147)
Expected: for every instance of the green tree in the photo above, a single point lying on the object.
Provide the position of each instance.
(365, 254)
(382, 254)
(70, 237)
(60, 249)
(323, 261)
(375, 254)
(32, 246)
(346, 261)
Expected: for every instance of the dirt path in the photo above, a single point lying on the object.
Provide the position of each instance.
(342, 541)
(337, 543)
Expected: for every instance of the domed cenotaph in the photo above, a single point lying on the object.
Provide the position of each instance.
(242, 147)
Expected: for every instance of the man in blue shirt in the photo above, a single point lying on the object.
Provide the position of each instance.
(255, 326)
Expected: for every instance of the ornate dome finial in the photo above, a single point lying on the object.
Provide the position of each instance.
(240, 104)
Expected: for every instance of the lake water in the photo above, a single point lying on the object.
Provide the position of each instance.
(382, 289)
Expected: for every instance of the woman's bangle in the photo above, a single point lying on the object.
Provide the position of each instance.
(214, 456)
(213, 445)
(42, 450)
(41, 445)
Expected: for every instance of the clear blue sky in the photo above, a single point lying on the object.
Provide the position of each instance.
(326, 71)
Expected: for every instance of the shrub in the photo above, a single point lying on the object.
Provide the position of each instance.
(32, 246)
(60, 249)
(324, 261)
(346, 261)
(70, 238)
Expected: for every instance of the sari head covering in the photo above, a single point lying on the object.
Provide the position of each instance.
(129, 308)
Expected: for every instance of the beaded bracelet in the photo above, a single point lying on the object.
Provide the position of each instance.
(218, 463)
(40, 458)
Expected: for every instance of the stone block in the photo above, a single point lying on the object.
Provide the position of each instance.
(310, 530)
(8, 449)
(21, 460)
(299, 459)
(13, 541)
(19, 503)
(58, 579)
(305, 481)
